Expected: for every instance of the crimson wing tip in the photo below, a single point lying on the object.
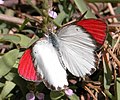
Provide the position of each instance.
(26, 67)
(90, 25)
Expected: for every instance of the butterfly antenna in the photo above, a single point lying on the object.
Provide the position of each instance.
(82, 15)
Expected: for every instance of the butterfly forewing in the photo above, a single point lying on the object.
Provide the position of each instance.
(77, 48)
(78, 43)
(48, 65)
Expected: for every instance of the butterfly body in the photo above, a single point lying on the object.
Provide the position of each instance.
(72, 48)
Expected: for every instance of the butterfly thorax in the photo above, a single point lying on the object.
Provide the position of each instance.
(54, 40)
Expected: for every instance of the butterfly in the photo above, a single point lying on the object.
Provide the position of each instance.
(72, 48)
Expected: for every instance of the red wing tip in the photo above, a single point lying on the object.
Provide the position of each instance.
(26, 67)
(91, 20)
(97, 28)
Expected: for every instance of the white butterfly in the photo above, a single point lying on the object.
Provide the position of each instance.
(72, 48)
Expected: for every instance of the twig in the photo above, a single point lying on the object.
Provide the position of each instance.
(90, 92)
(112, 55)
(112, 11)
(112, 16)
(3, 50)
(69, 22)
(116, 43)
(4, 46)
(12, 19)
(95, 9)
(96, 88)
